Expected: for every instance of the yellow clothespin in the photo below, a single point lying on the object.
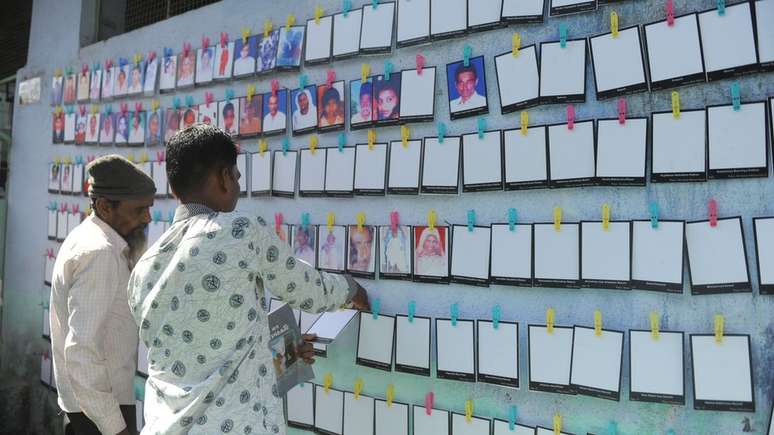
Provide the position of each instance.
(144, 157)
(263, 145)
(390, 394)
(289, 21)
(88, 210)
(516, 44)
(360, 220)
(469, 410)
(267, 26)
(371, 139)
(557, 424)
(331, 221)
(598, 323)
(358, 387)
(605, 216)
(365, 70)
(675, 104)
(137, 58)
(130, 157)
(524, 122)
(245, 31)
(94, 109)
(404, 135)
(58, 110)
(250, 92)
(154, 105)
(313, 144)
(57, 160)
(327, 382)
(67, 160)
(431, 218)
(318, 11)
(550, 314)
(654, 325)
(557, 218)
(614, 24)
(58, 72)
(719, 326)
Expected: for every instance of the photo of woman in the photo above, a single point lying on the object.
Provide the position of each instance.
(171, 124)
(304, 107)
(154, 132)
(108, 130)
(431, 252)
(122, 129)
(186, 68)
(189, 117)
(331, 109)
(69, 89)
(83, 86)
(331, 250)
(395, 251)
(361, 250)
(387, 98)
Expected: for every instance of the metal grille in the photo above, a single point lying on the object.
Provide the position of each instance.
(140, 13)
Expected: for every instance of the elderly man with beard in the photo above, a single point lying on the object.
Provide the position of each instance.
(93, 335)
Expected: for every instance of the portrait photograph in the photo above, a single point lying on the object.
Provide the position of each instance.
(303, 104)
(431, 254)
(83, 86)
(186, 67)
(205, 67)
(108, 82)
(171, 123)
(275, 108)
(250, 116)
(69, 128)
(57, 127)
(467, 88)
(267, 52)
(244, 56)
(121, 87)
(80, 128)
(331, 252)
(395, 252)
(92, 128)
(96, 84)
(69, 89)
(227, 116)
(136, 71)
(387, 99)
(224, 61)
(151, 76)
(122, 129)
(361, 251)
(330, 106)
(361, 106)
(208, 113)
(290, 47)
(67, 180)
(154, 135)
(56, 90)
(168, 77)
(303, 244)
(137, 128)
(54, 177)
(188, 117)
(107, 131)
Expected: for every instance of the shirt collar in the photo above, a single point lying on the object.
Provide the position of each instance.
(113, 237)
(186, 211)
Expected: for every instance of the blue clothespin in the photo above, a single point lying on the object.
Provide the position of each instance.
(176, 103)
(69, 110)
(52, 205)
(512, 415)
(229, 94)
(78, 160)
(342, 142)
(346, 6)
(285, 146)
(142, 120)
(68, 71)
(122, 61)
(654, 212)
(168, 52)
(374, 4)
(156, 215)
(512, 218)
(387, 70)
(496, 311)
(304, 221)
(736, 96)
(96, 66)
(108, 109)
(612, 428)
(375, 308)
(441, 131)
(721, 7)
(670, 432)
(189, 100)
(563, 35)
(455, 312)
(467, 50)
(471, 219)
(481, 125)
(302, 81)
(170, 216)
(412, 307)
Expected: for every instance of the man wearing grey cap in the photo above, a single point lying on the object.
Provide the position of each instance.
(93, 335)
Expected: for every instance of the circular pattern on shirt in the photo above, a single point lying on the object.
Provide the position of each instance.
(167, 353)
(193, 252)
(201, 421)
(261, 220)
(307, 278)
(234, 376)
(219, 258)
(248, 429)
(154, 305)
(241, 343)
(220, 402)
(275, 391)
(188, 289)
(178, 368)
(242, 264)
(156, 266)
(290, 263)
(187, 336)
(244, 396)
(209, 397)
(174, 304)
(252, 354)
(203, 315)
(307, 304)
(215, 343)
(236, 300)
(211, 235)
(156, 342)
(270, 276)
(263, 370)
(145, 324)
(181, 267)
(230, 325)
(275, 428)
(186, 421)
(211, 282)
(226, 426)
(291, 287)
(252, 315)
(272, 254)
(149, 285)
(318, 282)
(250, 277)
(167, 329)
(201, 359)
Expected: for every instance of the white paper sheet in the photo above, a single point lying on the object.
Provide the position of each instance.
(330, 325)
(417, 92)
(378, 23)
(77, 176)
(455, 347)
(511, 254)
(61, 225)
(391, 420)
(524, 10)
(328, 410)
(413, 21)
(139, 417)
(205, 68)
(606, 255)
(441, 165)
(737, 141)
(477, 425)
(482, 161)
(142, 358)
(517, 79)
(656, 366)
(375, 341)
(404, 167)
(358, 415)
(412, 345)
(312, 172)
(284, 179)
(160, 178)
(571, 153)
(722, 371)
(764, 249)
(563, 71)
(371, 168)
(73, 220)
(48, 269)
(549, 356)
(346, 33)
(498, 353)
(596, 362)
(543, 431)
(300, 405)
(484, 13)
(618, 64)
(340, 171)
(242, 167)
(674, 52)
(260, 173)
(52, 225)
(502, 428)
(318, 39)
(470, 254)
(679, 146)
(46, 322)
(437, 423)
(764, 16)
(716, 256)
(448, 17)
(621, 150)
(45, 368)
(657, 255)
(526, 158)
(556, 253)
(727, 41)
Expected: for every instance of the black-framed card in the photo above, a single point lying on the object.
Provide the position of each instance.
(736, 141)
(171, 122)
(283, 180)
(470, 255)
(358, 414)
(311, 178)
(412, 345)
(83, 86)
(135, 77)
(525, 158)
(61, 225)
(370, 169)
(431, 254)
(375, 341)
(93, 126)
(455, 347)
(571, 157)
(678, 146)
(606, 255)
(771, 421)
(597, 363)
(502, 427)
(340, 172)
(441, 165)
(275, 109)
(404, 167)
(717, 262)
(728, 41)
(658, 255)
(466, 86)
(224, 61)
(51, 233)
(81, 120)
(618, 65)
(290, 47)
(346, 33)
(208, 113)
(154, 133)
(497, 353)
(511, 255)
(523, 12)
(362, 251)
(387, 94)
(186, 68)
(391, 418)
(159, 171)
(564, 7)
(319, 40)
(556, 255)
(476, 426)
(722, 373)
(95, 85)
(764, 14)
(205, 65)
(67, 179)
(167, 77)
(68, 136)
(330, 106)
(361, 104)
(413, 22)
(299, 404)
(657, 367)
(484, 14)
(54, 177)
(378, 25)
(331, 247)
(228, 121)
(268, 48)
(244, 180)
(482, 162)
(550, 358)
(544, 431)
(303, 242)
(48, 269)
(228, 116)
(395, 261)
(57, 84)
(107, 130)
(46, 332)
(563, 72)
(448, 18)
(763, 230)
(417, 94)
(78, 178)
(674, 52)
(328, 411)
(331, 324)
(70, 91)
(621, 151)
(136, 128)
(432, 422)
(245, 51)
(108, 81)
(303, 106)
(518, 79)
(250, 115)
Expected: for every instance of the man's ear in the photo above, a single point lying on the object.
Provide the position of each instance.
(224, 178)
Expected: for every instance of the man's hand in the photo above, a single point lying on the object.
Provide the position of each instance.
(306, 350)
(360, 299)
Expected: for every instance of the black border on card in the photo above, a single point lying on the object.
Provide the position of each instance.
(605, 283)
(375, 244)
(446, 35)
(738, 70)
(333, 36)
(764, 66)
(281, 131)
(718, 288)
(395, 402)
(572, 9)
(676, 177)
(271, 176)
(494, 379)
(669, 399)
(723, 405)
(659, 286)
(461, 279)
(572, 182)
(550, 282)
(470, 112)
(420, 371)
(521, 105)
(512, 281)
(323, 431)
(230, 71)
(341, 193)
(344, 101)
(159, 140)
(303, 51)
(419, 118)
(621, 181)
(403, 190)
(421, 408)
(360, 125)
(379, 365)
(393, 31)
(456, 376)
(482, 187)
(311, 193)
(440, 189)
(257, 44)
(281, 193)
(320, 60)
(304, 130)
(565, 99)
(451, 421)
(428, 278)
(720, 174)
(523, 19)
(317, 254)
(624, 90)
(540, 386)
(414, 41)
(66, 190)
(56, 223)
(527, 185)
(599, 392)
(397, 276)
(296, 424)
(764, 289)
(485, 26)
(673, 82)
(246, 175)
(373, 192)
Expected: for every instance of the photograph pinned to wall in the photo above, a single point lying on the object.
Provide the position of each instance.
(346, 33)
(80, 128)
(303, 244)
(311, 180)
(470, 256)
(136, 128)
(188, 116)
(763, 230)
(387, 99)
(155, 132)
(525, 158)
(358, 414)
(482, 162)
(361, 104)
(51, 231)
(413, 22)
(224, 60)
(54, 177)
(678, 146)
(57, 83)
(208, 113)
(417, 93)
(159, 174)
(205, 65)
(122, 129)
(523, 11)
(370, 169)
(563, 72)
(267, 52)
(361, 251)
(260, 174)
(186, 68)
(717, 262)
(57, 127)
(92, 128)
(556, 255)
(764, 14)
(617, 63)
(455, 348)
(736, 141)
(319, 40)
(571, 154)
(250, 115)
(404, 167)
(108, 81)
(550, 358)
(284, 174)
(511, 255)
(69, 128)
(70, 89)
(476, 426)
(275, 107)
(448, 18)
(522, 93)
(136, 71)
(300, 406)
(245, 52)
(171, 123)
(441, 165)
(597, 363)
(61, 224)
(303, 105)
(107, 131)
(497, 353)
(95, 84)
(431, 422)
(83, 85)
(621, 151)
(467, 88)
(656, 367)
(502, 427)
(722, 373)
(606, 255)
(168, 77)
(395, 260)
(67, 183)
(151, 76)
(331, 247)
(431, 254)
(658, 255)
(290, 47)
(412, 345)
(330, 106)
(340, 172)
(228, 121)
(564, 7)
(674, 52)
(244, 179)
(484, 14)
(728, 41)
(121, 86)
(391, 418)
(378, 25)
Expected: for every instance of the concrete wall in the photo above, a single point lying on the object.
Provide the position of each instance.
(54, 43)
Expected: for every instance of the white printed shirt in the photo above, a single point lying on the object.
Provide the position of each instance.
(198, 296)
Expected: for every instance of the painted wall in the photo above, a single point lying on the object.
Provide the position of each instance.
(54, 43)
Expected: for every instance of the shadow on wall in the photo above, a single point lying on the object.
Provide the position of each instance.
(24, 403)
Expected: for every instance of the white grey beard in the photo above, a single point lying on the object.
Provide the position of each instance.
(138, 243)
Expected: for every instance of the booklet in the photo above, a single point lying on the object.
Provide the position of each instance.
(284, 344)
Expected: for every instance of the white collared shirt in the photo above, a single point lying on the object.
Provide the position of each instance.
(474, 102)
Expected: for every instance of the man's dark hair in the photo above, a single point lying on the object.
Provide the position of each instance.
(228, 107)
(193, 153)
(463, 69)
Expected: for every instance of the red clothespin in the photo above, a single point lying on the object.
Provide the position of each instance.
(429, 398)
(331, 77)
(274, 87)
(75, 208)
(713, 212)
(138, 107)
(160, 156)
(621, 111)
(670, 12)
(108, 64)
(186, 48)
(82, 109)
(50, 252)
(205, 41)
(151, 56)
(223, 39)
(277, 222)
(208, 98)
(394, 222)
(570, 117)
(420, 64)
(85, 68)
(124, 108)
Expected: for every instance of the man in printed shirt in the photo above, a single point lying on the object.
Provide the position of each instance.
(198, 296)
(93, 336)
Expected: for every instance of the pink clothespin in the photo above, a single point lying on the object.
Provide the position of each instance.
(420, 64)
(205, 41)
(223, 39)
(394, 222)
(62, 208)
(670, 12)
(713, 212)
(186, 48)
(75, 208)
(274, 87)
(277, 222)
(570, 117)
(331, 77)
(108, 64)
(208, 98)
(138, 107)
(124, 108)
(50, 252)
(159, 156)
(151, 56)
(429, 398)
(82, 109)
(621, 111)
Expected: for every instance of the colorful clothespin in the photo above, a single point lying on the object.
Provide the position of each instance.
(263, 145)
(144, 157)
(496, 312)
(186, 49)
(675, 105)
(130, 157)
(209, 97)
(285, 146)
(267, 27)
(374, 4)
(550, 315)
(371, 139)
(441, 127)
(515, 44)
(394, 222)
(302, 81)
(605, 216)
(229, 92)
(277, 222)
(712, 207)
(245, 32)
(654, 325)
(327, 382)
(85, 68)
(58, 72)
(387, 69)
(94, 109)
(375, 308)
(429, 399)
(720, 323)
(223, 39)
(156, 216)
(313, 144)
(612, 428)
(431, 219)
(512, 218)
(154, 105)
(189, 101)
(176, 103)
(736, 96)
(481, 126)
(346, 5)
(137, 58)
(598, 323)
(205, 42)
(78, 160)
(63, 208)
(404, 135)
(570, 117)
(96, 66)
(614, 24)
(304, 221)
(469, 410)
(654, 214)
(107, 109)
(390, 394)
(58, 110)
(358, 388)
(69, 109)
(670, 432)
(563, 35)
(669, 8)
(168, 52)
(454, 311)
(721, 7)
(557, 218)
(82, 109)
(622, 111)
(274, 87)
(360, 219)
(412, 308)
(557, 424)
(467, 51)
(318, 11)
(342, 142)
(365, 71)
(160, 156)
(420, 62)
(330, 220)
(471, 220)
(289, 22)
